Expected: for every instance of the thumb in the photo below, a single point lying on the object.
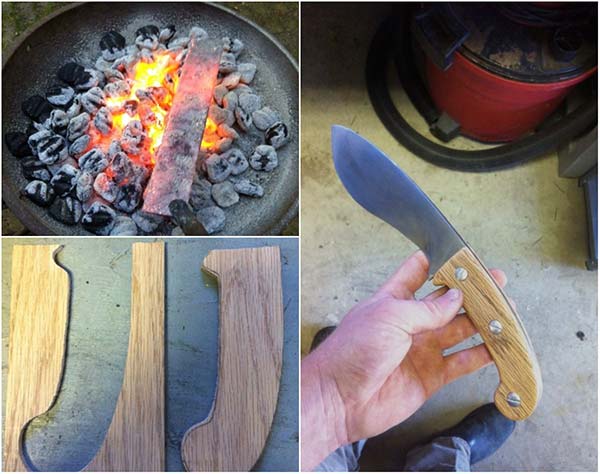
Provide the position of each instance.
(426, 315)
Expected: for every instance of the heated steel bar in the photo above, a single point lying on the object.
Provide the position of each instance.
(176, 157)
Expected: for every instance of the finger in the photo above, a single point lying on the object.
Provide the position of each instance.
(498, 275)
(457, 330)
(465, 362)
(411, 276)
(417, 316)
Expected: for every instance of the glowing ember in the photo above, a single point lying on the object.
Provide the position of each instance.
(161, 74)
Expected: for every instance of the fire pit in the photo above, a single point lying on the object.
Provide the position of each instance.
(100, 138)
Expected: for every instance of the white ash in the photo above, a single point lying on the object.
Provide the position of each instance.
(237, 161)
(264, 158)
(243, 119)
(218, 168)
(224, 194)
(248, 188)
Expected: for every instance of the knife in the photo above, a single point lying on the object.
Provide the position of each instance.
(384, 190)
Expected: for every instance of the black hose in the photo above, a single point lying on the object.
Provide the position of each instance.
(504, 156)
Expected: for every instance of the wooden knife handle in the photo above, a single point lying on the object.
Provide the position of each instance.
(502, 331)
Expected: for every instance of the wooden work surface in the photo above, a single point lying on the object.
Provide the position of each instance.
(232, 437)
(69, 436)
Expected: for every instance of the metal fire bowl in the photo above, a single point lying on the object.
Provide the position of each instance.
(74, 33)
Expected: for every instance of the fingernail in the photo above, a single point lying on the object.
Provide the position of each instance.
(454, 294)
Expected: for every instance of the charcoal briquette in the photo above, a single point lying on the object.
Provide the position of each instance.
(16, 142)
(220, 92)
(264, 158)
(111, 44)
(75, 108)
(59, 121)
(106, 188)
(93, 162)
(218, 168)
(60, 96)
(103, 121)
(33, 168)
(225, 131)
(200, 195)
(117, 89)
(265, 118)
(66, 210)
(52, 150)
(224, 194)
(84, 188)
(78, 126)
(237, 161)
(39, 192)
(128, 197)
(132, 137)
(124, 225)
(212, 218)
(36, 138)
(231, 80)
(64, 180)
(248, 188)
(92, 100)
(247, 72)
(166, 34)
(72, 73)
(230, 101)
(277, 135)
(36, 108)
(147, 37)
(198, 33)
(99, 219)
(121, 167)
(79, 146)
(250, 103)
(147, 222)
(234, 46)
(243, 119)
(227, 63)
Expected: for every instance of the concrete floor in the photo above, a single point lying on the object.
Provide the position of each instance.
(68, 437)
(527, 221)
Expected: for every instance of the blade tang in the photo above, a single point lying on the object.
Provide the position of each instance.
(501, 329)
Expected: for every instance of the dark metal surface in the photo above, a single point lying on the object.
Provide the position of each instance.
(383, 189)
(74, 34)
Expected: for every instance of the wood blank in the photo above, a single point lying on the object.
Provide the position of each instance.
(511, 349)
(233, 435)
(39, 308)
(136, 437)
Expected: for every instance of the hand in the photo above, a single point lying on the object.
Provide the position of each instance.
(384, 361)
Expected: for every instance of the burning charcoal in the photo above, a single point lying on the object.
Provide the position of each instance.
(184, 217)
(78, 125)
(237, 161)
(219, 93)
(243, 119)
(92, 100)
(218, 168)
(146, 114)
(65, 180)
(222, 145)
(248, 188)
(234, 46)
(52, 150)
(39, 192)
(147, 222)
(59, 121)
(113, 149)
(35, 139)
(132, 137)
(160, 96)
(36, 108)
(75, 108)
(230, 101)
(247, 72)
(225, 131)
(198, 32)
(227, 63)
(84, 188)
(224, 194)
(121, 167)
(66, 210)
(124, 226)
(212, 218)
(128, 197)
(147, 37)
(79, 146)
(130, 107)
(34, 169)
(117, 89)
(103, 121)
(166, 34)
(55, 167)
(60, 96)
(93, 162)
(113, 75)
(201, 195)
(265, 118)
(219, 115)
(231, 80)
(250, 102)
(112, 45)
(99, 219)
(16, 142)
(106, 188)
(264, 158)
(277, 135)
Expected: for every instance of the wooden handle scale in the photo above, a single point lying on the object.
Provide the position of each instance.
(500, 327)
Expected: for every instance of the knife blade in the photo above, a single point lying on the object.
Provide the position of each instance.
(383, 189)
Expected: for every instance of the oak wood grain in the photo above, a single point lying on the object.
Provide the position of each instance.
(39, 308)
(510, 349)
(136, 437)
(233, 435)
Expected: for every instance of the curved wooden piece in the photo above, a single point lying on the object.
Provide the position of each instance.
(136, 437)
(510, 348)
(39, 312)
(250, 355)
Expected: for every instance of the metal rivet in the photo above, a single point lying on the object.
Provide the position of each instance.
(513, 399)
(461, 274)
(495, 326)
